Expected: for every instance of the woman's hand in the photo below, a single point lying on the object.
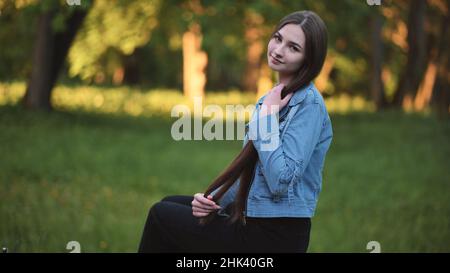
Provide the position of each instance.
(202, 206)
(273, 98)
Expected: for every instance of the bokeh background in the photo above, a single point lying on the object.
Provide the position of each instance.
(87, 89)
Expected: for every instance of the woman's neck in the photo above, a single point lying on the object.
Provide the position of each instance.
(284, 79)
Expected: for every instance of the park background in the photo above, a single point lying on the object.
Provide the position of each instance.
(87, 88)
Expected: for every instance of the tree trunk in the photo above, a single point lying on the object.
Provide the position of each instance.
(194, 63)
(49, 53)
(251, 74)
(321, 81)
(413, 72)
(425, 91)
(255, 48)
(131, 67)
(441, 90)
(377, 85)
(38, 89)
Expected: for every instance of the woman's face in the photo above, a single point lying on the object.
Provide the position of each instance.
(286, 49)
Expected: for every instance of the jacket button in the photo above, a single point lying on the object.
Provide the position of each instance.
(259, 168)
(276, 198)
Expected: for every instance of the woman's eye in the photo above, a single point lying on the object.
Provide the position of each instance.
(277, 38)
(294, 48)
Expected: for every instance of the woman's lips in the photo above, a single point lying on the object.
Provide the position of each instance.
(274, 60)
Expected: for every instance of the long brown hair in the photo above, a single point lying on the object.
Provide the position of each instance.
(243, 166)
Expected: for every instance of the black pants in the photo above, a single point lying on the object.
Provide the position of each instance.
(171, 227)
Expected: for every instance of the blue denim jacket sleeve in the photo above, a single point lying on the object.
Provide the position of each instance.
(284, 161)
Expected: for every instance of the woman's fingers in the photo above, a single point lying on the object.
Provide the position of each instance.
(278, 88)
(200, 198)
(273, 101)
(202, 206)
(199, 209)
(197, 205)
(204, 202)
(207, 201)
(200, 214)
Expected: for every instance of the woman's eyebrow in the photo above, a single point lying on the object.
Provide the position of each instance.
(289, 41)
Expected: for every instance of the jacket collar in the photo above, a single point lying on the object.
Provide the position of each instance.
(298, 96)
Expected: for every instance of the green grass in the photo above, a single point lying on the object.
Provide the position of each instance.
(386, 179)
(91, 177)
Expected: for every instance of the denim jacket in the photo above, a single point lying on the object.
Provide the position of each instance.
(288, 174)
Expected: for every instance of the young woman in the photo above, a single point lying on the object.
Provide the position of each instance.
(264, 201)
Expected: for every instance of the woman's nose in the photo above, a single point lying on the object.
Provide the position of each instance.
(278, 52)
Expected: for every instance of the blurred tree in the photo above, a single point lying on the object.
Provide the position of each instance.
(415, 64)
(106, 44)
(161, 59)
(394, 33)
(421, 35)
(377, 85)
(194, 63)
(15, 32)
(435, 80)
(222, 31)
(255, 47)
(194, 58)
(141, 42)
(441, 87)
(57, 26)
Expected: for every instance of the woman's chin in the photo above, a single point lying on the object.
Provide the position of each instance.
(276, 68)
